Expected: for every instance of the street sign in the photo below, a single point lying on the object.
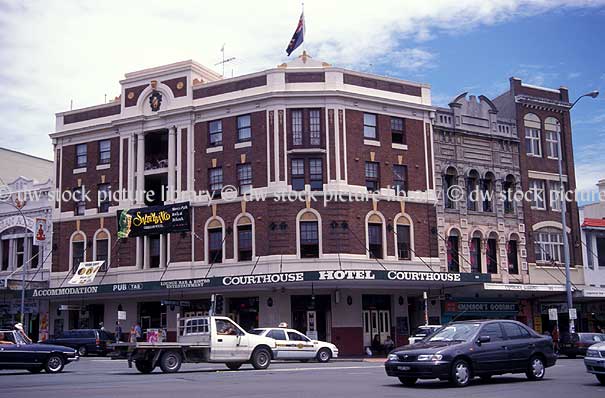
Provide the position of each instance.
(573, 314)
(121, 315)
(553, 315)
(69, 307)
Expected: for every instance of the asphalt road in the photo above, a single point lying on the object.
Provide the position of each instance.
(100, 377)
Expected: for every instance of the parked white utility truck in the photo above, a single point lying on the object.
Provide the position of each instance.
(215, 339)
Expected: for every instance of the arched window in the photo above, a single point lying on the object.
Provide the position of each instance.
(78, 249)
(453, 251)
(533, 146)
(491, 253)
(101, 247)
(549, 245)
(508, 190)
(214, 240)
(403, 237)
(512, 249)
(309, 234)
(244, 238)
(472, 187)
(487, 192)
(450, 178)
(475, 251)
(551, 131)
(375, 226)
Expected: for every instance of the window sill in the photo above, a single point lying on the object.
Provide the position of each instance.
(80, 170)
(531, 155)
(306, 150)
(244, 144)
(103, 166)
(402, 147)
(214, 149)
(371, 142)
(538, 208)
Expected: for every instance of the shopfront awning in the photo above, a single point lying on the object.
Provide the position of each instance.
(382, 278)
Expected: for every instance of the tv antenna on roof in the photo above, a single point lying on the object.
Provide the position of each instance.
(225, 60)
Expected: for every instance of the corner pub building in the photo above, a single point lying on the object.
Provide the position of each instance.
(271, 171)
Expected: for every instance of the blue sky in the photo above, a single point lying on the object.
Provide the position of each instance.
(54, 51)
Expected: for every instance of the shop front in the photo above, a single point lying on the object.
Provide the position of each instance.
(462, 309)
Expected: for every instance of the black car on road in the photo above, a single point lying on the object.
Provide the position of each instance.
(462, 350)
(16, 352)
(575, 344)
(85, 341)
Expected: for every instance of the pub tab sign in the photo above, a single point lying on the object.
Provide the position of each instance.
(154, 220)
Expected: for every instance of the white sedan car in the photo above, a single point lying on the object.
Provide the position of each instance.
(291, 344)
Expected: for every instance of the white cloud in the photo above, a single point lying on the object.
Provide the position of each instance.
(56, 51)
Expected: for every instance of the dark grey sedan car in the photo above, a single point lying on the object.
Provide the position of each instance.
(462, 350)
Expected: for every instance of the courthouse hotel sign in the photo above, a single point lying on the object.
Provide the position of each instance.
(269, 279)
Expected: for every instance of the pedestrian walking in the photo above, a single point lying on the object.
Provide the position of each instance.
(138, 331)
(118, 332)
(133, 335)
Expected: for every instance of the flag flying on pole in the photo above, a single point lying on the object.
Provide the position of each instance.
(298, 36)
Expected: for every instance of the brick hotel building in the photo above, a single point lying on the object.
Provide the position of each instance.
(344, 271)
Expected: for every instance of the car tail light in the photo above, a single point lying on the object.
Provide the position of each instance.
(98, 341)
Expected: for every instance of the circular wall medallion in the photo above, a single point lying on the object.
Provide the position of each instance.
(180, 85)
(130, 95)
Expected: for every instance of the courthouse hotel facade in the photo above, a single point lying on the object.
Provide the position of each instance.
(269, 175)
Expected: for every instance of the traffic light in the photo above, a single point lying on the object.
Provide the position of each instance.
(218, 304)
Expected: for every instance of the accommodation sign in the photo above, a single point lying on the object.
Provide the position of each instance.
(154, 220)
(438, 278)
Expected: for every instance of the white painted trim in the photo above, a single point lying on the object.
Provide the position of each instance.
(411, 224)
(402, 147)
(244, 144)
(319, 230)
(214, 149)
(344, 144)
(549, 224)
(80, 170)
(220, 219)
(384, 234)
(235, 236)
(94, 245)
(541, 175)
(371, 142)
(104, 166)
(327, 134)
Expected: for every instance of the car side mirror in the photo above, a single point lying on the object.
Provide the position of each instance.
(483, 339)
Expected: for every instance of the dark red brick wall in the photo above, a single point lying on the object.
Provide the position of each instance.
(382, 85)
(229, 158)
(174, 83)
(92, 114)
(349, 340)
(358, 153)
(136, 93)
(92, 177)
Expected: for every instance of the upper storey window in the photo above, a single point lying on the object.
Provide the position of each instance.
(104, 151)
(244, 129)
(552, 128)
(397, 130)
(369, 126)
(297, 127)
(533, 146)
(215, 129)
(314, 127)
(81, 155)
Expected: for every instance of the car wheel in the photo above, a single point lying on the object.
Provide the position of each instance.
(54, 363)
(234, 365)
(324, 355)
(36, 370)
(461, 373)
(144, 366)
(261, 358)
(82, 351)
(408, 381)
(170, 362)
(601, 379)
(536, 368)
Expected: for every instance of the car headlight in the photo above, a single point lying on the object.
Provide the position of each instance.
(593, 353)
(392, 357)
(430, 357)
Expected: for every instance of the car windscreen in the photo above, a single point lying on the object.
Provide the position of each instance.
(455, 332)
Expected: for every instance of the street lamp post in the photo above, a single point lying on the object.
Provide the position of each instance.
(566, 255)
